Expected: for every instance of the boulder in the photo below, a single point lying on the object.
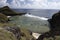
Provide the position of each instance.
(55, 22)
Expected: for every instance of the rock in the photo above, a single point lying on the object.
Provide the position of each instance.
(9, 12)
(46, 35)
(57, 37)
(54, 33)
(20, 33)
(55, 22)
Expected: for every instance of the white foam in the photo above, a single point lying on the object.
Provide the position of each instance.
(33, 16)
(8, 16)
(36, 35)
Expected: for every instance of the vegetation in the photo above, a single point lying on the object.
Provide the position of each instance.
(20, 27)
(3, 18)
(9, 12)
(6, 35)
(10, 31)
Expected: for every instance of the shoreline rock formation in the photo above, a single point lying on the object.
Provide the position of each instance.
(9, 31)
(54, 32)
(9, 12)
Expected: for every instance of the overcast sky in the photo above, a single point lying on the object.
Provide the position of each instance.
(33, 4)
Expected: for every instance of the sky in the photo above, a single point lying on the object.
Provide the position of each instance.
(31, 4)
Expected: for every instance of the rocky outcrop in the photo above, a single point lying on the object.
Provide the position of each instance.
(55, 22)
(10, 31)
(6, 11)
(54, 28)
(9, 12)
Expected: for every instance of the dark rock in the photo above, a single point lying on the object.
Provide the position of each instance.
(46, 35)
(9, 12)
(55, 22)
(54, 28)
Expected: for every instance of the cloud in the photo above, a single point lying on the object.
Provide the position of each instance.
(53, 5)
(33, 4)
(3, 3)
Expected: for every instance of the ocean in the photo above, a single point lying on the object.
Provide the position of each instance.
(35, 20)
(39, 12)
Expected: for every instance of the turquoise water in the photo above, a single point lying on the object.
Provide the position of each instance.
(32, 24)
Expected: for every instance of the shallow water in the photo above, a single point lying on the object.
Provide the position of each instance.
(32, 24)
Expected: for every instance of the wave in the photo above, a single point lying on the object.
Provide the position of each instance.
(33, 16)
